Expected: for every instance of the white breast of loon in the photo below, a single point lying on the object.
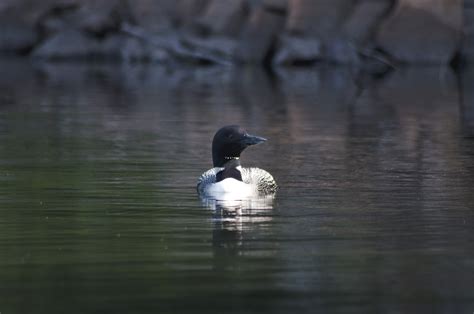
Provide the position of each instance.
(255, 182)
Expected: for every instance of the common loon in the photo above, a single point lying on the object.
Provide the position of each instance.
(228, 179)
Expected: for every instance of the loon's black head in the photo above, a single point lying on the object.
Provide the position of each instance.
(229, 142)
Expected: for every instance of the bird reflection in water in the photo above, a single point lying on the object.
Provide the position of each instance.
(235, 222)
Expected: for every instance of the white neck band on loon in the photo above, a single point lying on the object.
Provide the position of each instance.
(230, 158)
(231, 162)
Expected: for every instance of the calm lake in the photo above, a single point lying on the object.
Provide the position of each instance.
(99, 212)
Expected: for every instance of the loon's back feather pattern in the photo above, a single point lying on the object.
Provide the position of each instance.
(260, 179)
(207, 178)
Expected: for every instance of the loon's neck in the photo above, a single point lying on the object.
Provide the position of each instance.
(231, 162)
(231, 170)
(220, 159)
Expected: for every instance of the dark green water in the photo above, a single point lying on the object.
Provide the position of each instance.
(99, 214)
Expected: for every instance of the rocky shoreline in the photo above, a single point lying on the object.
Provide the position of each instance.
(368, 34)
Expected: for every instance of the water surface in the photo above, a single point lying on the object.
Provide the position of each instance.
(99, 213)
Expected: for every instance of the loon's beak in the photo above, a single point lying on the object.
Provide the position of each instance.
(252, 139)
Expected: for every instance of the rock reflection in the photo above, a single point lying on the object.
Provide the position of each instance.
(376, 186)
(467, 102)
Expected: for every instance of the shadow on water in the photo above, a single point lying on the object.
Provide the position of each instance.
(98, 208)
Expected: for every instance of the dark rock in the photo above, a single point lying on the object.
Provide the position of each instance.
(468, 40)
(427, 31)
(351, 45)
(312, 32)
(68, 44)
(102, 16)
(365, 61)
(467, 104)
(317, 18)
(16, 37)
(223, 17)
(276, 5)
(341, 50)
(73, 45)
(186, 47)
(129, 49)
(187, 11)
(155, 16)
(18, 24)
(30, 11)
(259, 35)
(97, 17)
(57, 19)
(366, 16)
(213, 49)
(376, 64)
(295, 49)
